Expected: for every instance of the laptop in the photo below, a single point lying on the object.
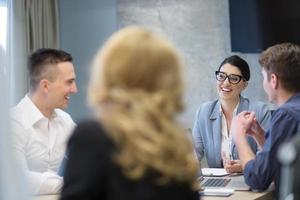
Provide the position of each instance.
(235, 182)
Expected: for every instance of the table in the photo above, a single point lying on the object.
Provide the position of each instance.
(245, 195)
(46, 197)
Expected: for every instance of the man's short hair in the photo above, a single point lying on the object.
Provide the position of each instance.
(283, 60)
(41, 64)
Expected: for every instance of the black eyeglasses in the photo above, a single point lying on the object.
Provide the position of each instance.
(232, 78)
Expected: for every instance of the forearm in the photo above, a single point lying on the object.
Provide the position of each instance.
(260, 140)
(44, 183)
(258, 133)
(48, 182)
(244, 150)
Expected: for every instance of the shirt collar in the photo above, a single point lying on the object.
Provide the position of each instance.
(295, 96)
(33, 113)
(234, 111)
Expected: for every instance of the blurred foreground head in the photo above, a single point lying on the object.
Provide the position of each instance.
(137, 62)
(136, 90)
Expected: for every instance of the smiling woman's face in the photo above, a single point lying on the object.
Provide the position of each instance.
(227, 90)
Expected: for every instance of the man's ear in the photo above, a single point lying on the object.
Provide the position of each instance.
(274, 81)
(44, 85)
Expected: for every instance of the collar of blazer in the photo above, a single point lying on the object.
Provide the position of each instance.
(243, 105)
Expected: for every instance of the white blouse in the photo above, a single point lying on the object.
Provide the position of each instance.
(226, 143)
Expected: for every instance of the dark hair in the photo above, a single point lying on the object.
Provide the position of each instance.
(283, 60)
(240, 63)
(41, 60)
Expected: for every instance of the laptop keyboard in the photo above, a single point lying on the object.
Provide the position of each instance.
(216, 182)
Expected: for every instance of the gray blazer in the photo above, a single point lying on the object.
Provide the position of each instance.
(207, 129)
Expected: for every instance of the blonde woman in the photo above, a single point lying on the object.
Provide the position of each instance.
(133, 149)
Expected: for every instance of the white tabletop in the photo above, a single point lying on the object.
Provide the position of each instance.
(46, 197)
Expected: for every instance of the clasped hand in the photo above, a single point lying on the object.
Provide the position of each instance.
(246, 123)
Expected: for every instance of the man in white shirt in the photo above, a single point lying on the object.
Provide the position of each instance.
(40, 126)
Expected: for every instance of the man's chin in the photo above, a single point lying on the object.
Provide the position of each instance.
(63, 107)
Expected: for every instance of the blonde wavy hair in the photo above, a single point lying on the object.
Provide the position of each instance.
(136, 90)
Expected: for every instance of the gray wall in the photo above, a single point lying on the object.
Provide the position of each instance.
(84, 26)
(200, 29)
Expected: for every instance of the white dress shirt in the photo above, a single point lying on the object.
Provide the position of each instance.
(40, 144)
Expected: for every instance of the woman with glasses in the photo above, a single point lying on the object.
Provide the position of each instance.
(213, 119)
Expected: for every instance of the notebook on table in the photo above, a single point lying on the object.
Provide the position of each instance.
(235, 182)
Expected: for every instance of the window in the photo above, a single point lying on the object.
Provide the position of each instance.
(3, 23)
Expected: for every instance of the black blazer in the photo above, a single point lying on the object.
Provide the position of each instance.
(91, 174)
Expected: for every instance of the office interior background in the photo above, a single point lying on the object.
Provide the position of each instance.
(199, 28)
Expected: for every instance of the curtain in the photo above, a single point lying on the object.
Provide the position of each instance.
(16, 50)
(32, 24)
(42, 24)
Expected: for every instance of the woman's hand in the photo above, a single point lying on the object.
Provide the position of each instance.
(233, 166)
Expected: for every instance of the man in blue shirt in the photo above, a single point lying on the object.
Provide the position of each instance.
(281, 81)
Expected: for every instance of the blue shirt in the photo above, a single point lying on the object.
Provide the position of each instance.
(284, 124)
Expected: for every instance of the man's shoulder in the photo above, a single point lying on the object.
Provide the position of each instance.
(17, 113)
(19, 122)
(289, 110)
(20, 109)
